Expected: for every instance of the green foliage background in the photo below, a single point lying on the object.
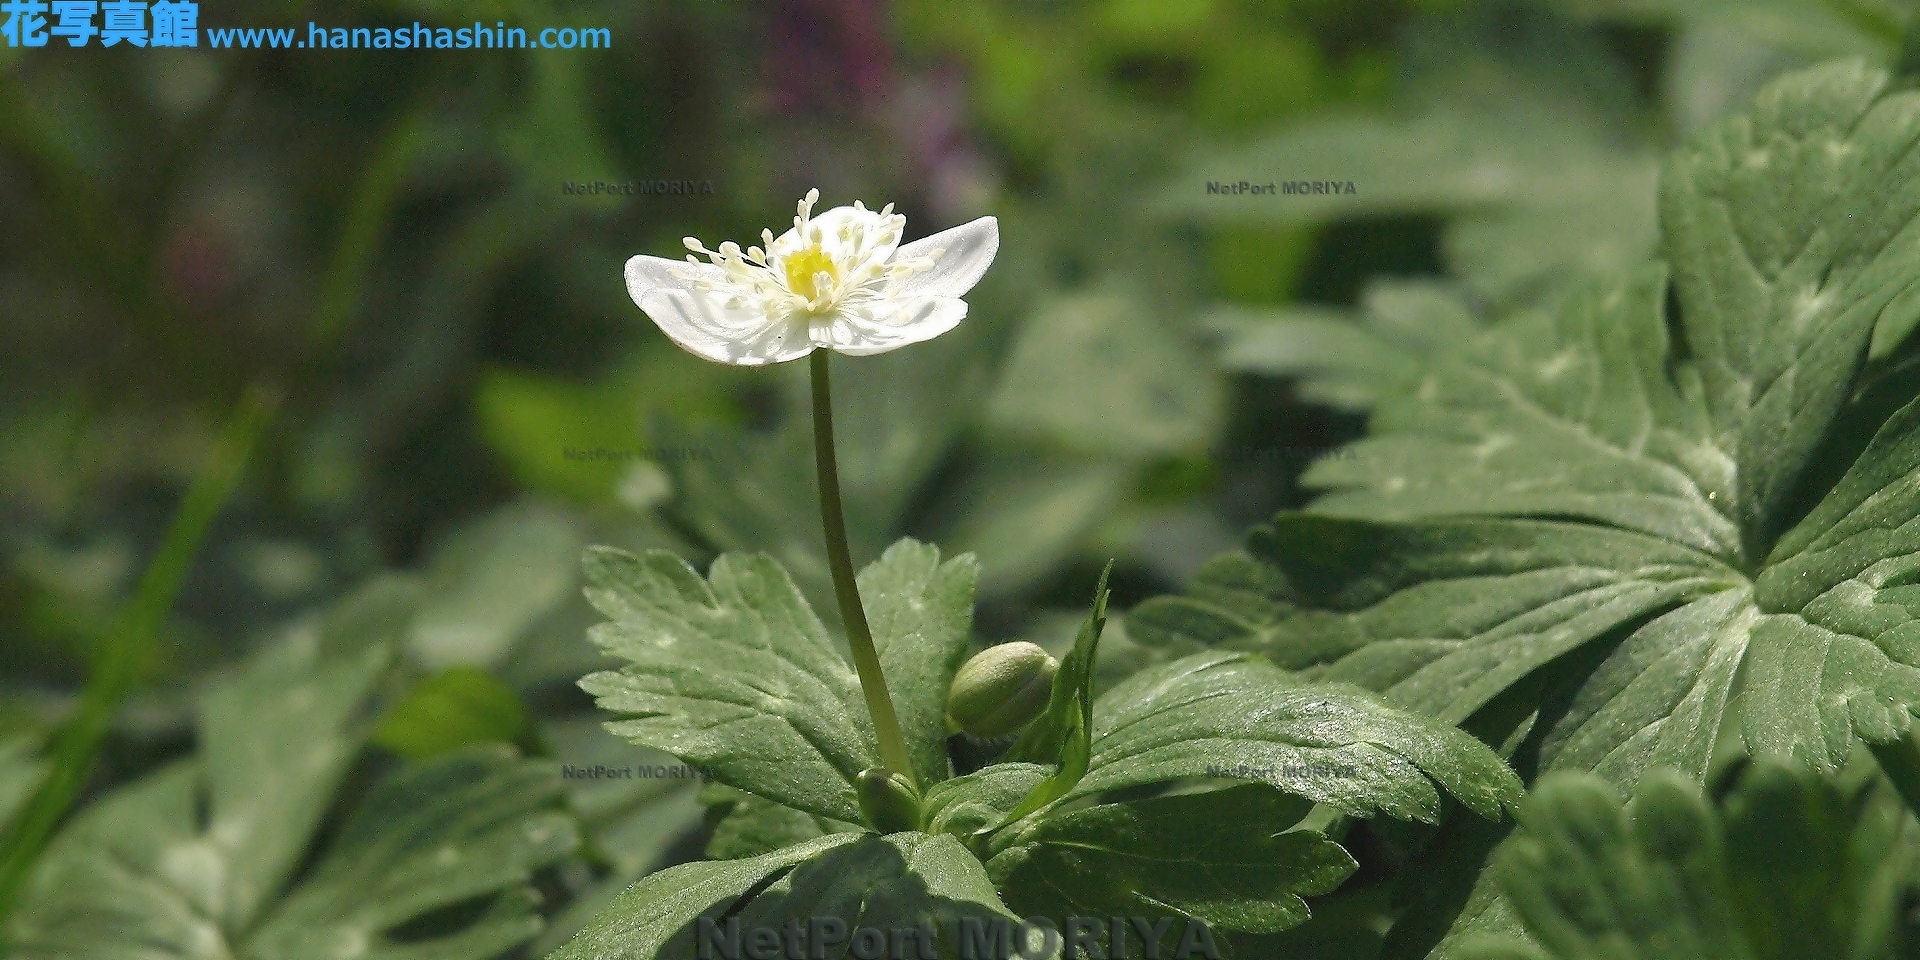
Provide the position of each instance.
(317, 384)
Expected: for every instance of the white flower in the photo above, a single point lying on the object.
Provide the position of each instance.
(840, 280)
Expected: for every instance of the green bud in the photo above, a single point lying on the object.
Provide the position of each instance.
(1002, 689)
(888, 800)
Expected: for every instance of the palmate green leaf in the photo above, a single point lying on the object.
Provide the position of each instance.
(472, 824)
(1785, 866)
(1688, 502)
(1787, 230)
(892, 882)
(272, 748)
(1697, 516)
(1229, 714)
(734, 673)
(1660, 698)
(193, 861)
(1570, 414)
(1439, 616)
(1838, 598)
(921, 614)
(1217, 857)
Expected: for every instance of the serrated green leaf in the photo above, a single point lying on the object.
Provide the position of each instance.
(1229, 714)
(1834, 599)
(1659, 699)
(1659, 878)
(1786, 866)
(273, 745)
(1714, 508)
(1217, 857)
(920, 652)
(733, 672)
(192, 861)
(1439, 616)
(470, 825)
(894, 882)
(1565, 414)
(656, 917)
(891, 883)
(94, 889)
(1785, 228)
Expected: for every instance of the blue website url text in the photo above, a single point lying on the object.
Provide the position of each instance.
(418, 37)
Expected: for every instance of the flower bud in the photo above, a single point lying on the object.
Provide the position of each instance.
(888, 800)
(1002, 689)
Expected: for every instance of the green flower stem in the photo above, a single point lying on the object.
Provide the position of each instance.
(886, 725)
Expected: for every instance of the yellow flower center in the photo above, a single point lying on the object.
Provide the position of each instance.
(804, 268)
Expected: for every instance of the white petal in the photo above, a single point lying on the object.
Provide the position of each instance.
(895, 324)
(746, 338)
(969, 251)
(646, 274)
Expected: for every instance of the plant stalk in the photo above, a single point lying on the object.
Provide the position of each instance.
(866, 660)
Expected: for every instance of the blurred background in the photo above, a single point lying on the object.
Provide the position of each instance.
(452, 395)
